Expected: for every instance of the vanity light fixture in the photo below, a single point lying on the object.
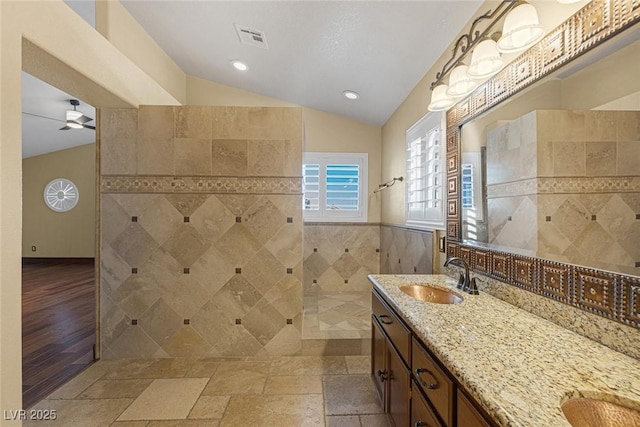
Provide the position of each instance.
(351, 95)
(460, 84)
(485, 60)
(440, 101)
(239, 65)
(521, 30)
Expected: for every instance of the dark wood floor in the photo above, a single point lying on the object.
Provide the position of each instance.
(58, 323)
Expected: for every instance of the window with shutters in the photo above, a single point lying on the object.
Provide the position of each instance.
(425, 173)
(334, 186)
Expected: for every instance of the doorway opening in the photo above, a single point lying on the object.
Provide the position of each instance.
(58, 239)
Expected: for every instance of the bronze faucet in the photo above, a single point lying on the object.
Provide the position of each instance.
(465, 283)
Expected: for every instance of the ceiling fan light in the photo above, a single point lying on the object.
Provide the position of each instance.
(521, 29)
(73, 115)
(74, 125)
(440, 101)
(485, 60)
(460, 84)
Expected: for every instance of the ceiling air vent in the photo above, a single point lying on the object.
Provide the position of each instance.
(251, 36)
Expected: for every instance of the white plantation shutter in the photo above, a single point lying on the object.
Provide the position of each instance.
(425, 177)
(342, 187)
(335, 186)
(311, 186)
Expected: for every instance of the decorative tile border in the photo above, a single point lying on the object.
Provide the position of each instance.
(609, 295)
(200, 184)
(509, 189)
(613, 184)
(563, 185)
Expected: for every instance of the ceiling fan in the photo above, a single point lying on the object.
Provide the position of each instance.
(75, 119)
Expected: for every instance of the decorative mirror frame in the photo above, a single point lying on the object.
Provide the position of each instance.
(610, 295)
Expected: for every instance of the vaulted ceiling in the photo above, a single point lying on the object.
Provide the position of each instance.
(314, 51)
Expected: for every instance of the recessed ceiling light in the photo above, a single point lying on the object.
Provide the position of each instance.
(239, 65)
(349, 94)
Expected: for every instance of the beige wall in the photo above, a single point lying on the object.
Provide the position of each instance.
(59, 234)
(123, 31)
(326, 132)
(323, 131)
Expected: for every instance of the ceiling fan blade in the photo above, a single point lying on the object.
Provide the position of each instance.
(65, 128)
(89, 127)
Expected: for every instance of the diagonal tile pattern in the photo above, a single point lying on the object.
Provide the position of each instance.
(404, 251)
(337, 293)
(199, 260)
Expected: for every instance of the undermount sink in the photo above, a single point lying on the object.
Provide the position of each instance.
(431, 294)
(583, 412)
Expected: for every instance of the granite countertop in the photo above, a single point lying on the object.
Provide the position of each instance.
(518, 366)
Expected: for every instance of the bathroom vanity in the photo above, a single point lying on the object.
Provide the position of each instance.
(482, 361)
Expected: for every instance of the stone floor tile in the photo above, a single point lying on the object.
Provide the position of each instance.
(282, 410)
(293, 384)
(80, 413)
(358, 364)
(165, 399)
(342, 421)
(83, 380)
(350, 395)
(309, 365)
(115, 389)
(129, 424)
(378, 420)
(209, 407)
(185, 423)
(203, 368)
(238, 377)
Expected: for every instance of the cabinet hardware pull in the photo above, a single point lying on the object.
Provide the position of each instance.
(431, 386)
(421, 424)
(384, 316)
(383, 375)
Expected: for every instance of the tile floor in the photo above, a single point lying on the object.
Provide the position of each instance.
(296, 391)
(337, 315)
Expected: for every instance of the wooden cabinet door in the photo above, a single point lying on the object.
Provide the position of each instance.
(434, 382)
(398, 389)
(378, 361)
(421, 415)
(468, 415)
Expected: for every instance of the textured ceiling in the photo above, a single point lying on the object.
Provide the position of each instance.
(316, 49)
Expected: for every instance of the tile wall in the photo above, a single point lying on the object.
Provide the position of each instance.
(337, 294)
(405, 250)
(338, 257)
(201, 231)
(572, 193)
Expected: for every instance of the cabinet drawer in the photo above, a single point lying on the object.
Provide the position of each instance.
(421, 414)
(434, 382)
(399, 335)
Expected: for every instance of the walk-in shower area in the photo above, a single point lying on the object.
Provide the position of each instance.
(337, 293)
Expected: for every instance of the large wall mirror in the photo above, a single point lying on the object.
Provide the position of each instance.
(544, 166)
